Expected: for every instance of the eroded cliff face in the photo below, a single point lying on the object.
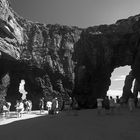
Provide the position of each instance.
(99, 51)
(64, 61)
(48, 50)
(39, 53)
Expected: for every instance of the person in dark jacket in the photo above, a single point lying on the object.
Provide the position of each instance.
(106, 104)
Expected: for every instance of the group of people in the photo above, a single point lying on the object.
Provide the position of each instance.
(50, 105)
(23, 106)
(6, 108)
(20, 107)
(53, 106)
(110, 104)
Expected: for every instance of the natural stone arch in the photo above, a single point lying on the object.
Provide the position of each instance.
(99, 51)
(71, 60)
(118, 77)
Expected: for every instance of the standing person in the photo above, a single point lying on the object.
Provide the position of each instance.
(131, 104)
(19, 108)
(28, 104)
(49, 106)
(99, 105)
(136, 102)
(70, 103)
(106, 105)
(112, 105)
(117, 99)
(41, 105)
(54, 105)
(62, 107)
(118, 103)
(6, 109)
(25, 104)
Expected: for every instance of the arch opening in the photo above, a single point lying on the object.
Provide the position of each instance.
(120, 84)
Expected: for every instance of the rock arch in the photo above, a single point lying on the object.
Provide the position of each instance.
(67, 61)
(99, 51)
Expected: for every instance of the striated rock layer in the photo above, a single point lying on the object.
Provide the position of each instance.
(63, 61)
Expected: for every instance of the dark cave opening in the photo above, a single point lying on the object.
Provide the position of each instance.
(17, 71)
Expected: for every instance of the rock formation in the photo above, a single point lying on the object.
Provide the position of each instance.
(136, 89)
(65, 61)
(98, 52)
(40, 54)
(128, 84)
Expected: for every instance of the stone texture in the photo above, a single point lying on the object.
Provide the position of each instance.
(127, 89)
(98, 52)
(39, 53)
(62, 60)
(4, 83)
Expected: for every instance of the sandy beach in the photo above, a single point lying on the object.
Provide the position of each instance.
(81, 125)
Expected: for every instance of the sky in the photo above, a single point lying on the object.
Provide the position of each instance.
(117, 81)
(81, 13)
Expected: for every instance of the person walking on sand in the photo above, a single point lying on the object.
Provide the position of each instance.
(6, 109)
(99, 105)
(131, 104)
(41, 105)
(54, 105)
(112, 105)
(28, 105)
(106, 104)
(19, 108)
(118, 104)
(49, 106)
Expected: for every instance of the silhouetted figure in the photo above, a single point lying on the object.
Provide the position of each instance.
(99, 105)
(117, 99)
(41, 105)
(136, 102)
(106, 104)
(28, 105)
(112, 105)
(70, 102)
(62, 104)
(118, 103)
(19, 108)
(55, 105)
(49, 106)
(131, 104)
(6, 109)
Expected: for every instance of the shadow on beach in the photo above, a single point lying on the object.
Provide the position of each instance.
(87, 125)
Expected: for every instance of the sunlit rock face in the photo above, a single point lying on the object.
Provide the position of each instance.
(39, 53)
(11, 33)
(63, 60)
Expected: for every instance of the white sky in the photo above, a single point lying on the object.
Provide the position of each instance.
(117, 81)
